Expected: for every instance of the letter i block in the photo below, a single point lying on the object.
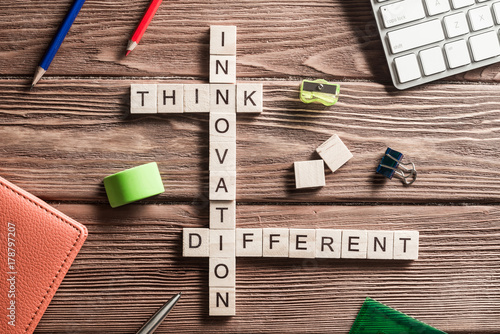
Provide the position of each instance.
(222, 243)
(143, 99)
(222, 301)
(223, 40)
(196, 98)
(222, 215)
(195, 242)
(170, 98)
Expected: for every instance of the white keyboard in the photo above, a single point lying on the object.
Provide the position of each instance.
(426, 40)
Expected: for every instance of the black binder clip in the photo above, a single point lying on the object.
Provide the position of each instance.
(391, 165)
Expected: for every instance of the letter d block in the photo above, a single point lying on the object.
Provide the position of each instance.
(143, 99)
(195, 242)
(222, 301)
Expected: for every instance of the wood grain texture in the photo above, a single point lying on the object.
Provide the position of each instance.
(62, 139)
(131, 263)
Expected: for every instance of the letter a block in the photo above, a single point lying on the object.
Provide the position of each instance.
(222, 186)
(195, 242)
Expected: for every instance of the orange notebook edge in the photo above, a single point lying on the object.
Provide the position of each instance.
(36, 216)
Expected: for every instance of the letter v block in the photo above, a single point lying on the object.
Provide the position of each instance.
(222, 156)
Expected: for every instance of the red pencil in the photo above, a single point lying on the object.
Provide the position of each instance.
(141, 28)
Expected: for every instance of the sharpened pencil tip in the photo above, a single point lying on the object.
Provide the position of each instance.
(128, 52)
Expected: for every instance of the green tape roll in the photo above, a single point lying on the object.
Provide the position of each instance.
(133, 184)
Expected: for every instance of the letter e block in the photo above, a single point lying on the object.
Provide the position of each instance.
(222, 98)
(222, 301)
(170, 98)
(249, 98)
(249, 242)
(197, 98)
(143, 99)
(222, 215)
(380, 245)
(275, 242)
(222, 186)
(222, 69)
(309, 174)
(222, 156)
(334, 153)
(328, 243)
(222, 243)
(222, 272)
(354, 244)
(195, 242)
(406, 245)
(222, 127)
(302, 243)
(223, 40)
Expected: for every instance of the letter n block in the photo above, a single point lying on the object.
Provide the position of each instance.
(195, 242)
(222, 301)
(222, 69)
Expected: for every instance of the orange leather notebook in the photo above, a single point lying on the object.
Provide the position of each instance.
(37, 246)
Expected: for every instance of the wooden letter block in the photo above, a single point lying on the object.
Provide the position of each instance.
(222, 98)
(222, 127)
(222, 301)
(222, 272)
(334, 153)
(222, 243)
(328, 243)
(170, 98)
(249, 242)
(354, 244)
(275, 242)
(302, 243)
(197, 98)
(249, 98)
(222, 156)
(223, 69)
(380, 245)
(406, 245)
(222, 215)
(222, 186)
(309, 174)
(195, 242)
(223, 40)
(143, 99)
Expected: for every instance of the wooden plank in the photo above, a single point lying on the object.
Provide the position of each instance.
(62, 139)
(331, 39)
(131, 263)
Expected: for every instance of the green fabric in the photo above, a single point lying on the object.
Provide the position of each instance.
(377, 318)
(133, 184)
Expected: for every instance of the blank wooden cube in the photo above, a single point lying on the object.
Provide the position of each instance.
(170, 98)
(222, 301)
(354, 244)
(328, 243)
(275, 242)
(196, 98)
(222, 243)
(222, 127)
(249, 98)
(195, 242)
(222, 69)
(406, 245)
(222, 215)
(222, 186)
(249, 242)
(334, 153)
(222, 156)
(223, 98)
(309, 174)
(380, 245)
(222, 271)
(223, 40)
(302, 243)
(143, 99)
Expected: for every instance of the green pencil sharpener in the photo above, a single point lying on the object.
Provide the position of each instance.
(319, 91)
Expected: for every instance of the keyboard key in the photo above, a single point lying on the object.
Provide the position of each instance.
(456, 25)
(496, 10)
(415, 36)
(435, 7)
(457, 54)
(484, 46)
(407, 68)
(461, 3)
(432, 60)
(480, 18)
(402, 12)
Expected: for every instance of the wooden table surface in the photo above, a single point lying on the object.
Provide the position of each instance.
(60, 140)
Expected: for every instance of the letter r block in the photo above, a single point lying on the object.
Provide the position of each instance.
(195, 242)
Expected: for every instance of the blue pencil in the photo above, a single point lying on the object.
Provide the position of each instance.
(57, 40)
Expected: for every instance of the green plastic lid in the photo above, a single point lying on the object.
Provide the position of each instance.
(133, 184)
(377, 318)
